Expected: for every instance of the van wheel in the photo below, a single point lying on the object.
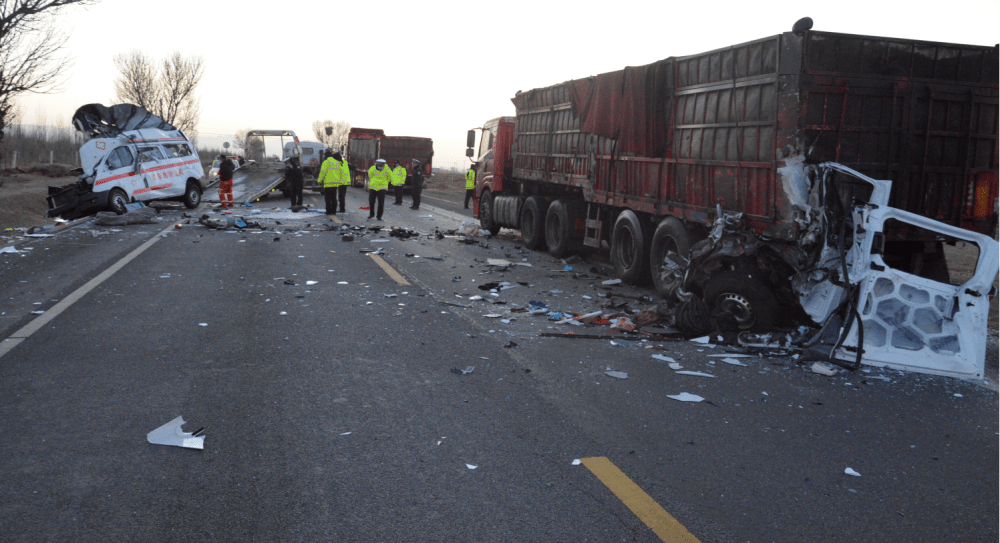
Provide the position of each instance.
(670, 235)
(486, 221)
(532, 223)
(117, 201)
(747, 299)
(192, 196)
(628, 247)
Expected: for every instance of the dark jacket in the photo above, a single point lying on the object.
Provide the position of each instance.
(226, 170)
(418, 177)
(293, 174)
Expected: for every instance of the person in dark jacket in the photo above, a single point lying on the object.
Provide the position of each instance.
(293, 177)
(418, 183)
(226, 169)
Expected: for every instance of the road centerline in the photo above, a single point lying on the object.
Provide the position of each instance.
(395, 275)
(665, 526)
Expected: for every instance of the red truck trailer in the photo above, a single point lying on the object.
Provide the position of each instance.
(366, 145)
(642, 159)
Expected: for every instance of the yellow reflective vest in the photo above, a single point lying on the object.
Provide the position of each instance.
(334, 173)
(398, 176)
(378, 179)
(470, 179)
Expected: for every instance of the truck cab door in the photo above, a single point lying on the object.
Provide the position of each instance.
(911, 322)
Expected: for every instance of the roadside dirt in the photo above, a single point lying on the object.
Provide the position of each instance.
(23, 192)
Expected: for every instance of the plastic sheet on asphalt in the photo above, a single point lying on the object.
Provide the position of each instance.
(686, 397)
(172, 434)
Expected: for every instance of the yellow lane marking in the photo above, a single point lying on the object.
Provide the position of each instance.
(335, 219)
(649, 512)
(53, 312)
(388, 269)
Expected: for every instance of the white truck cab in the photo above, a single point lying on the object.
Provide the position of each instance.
(122, 164)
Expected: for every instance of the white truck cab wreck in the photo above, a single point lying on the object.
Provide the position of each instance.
(132, 156)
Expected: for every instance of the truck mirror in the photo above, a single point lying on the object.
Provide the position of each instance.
(470, 140)
(468, 152)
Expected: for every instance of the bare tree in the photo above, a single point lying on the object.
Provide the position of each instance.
(167, 91)
(339, 131)
(30, 46)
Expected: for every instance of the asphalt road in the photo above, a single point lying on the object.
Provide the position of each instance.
(331, 413)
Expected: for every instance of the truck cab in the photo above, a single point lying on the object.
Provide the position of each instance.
(492, 162)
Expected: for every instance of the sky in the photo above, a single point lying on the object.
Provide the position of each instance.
(435, 68)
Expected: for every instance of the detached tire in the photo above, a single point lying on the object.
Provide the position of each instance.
(117, 201)
(192, 196)
(486, 221)
(628, 248)
(532, 222)
(670, 235)
(747, 299)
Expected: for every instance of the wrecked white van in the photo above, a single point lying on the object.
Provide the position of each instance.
(132, 156)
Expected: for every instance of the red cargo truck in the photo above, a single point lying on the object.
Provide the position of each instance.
(366, 145)
(643, 159)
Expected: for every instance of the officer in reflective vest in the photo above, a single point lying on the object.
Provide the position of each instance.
(345, 179)
(329, 178)
(398, 180)
(378, 183)
(470, 184)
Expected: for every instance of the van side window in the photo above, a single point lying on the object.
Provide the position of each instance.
(150, 154)
(307, 151)
(177, 150)
(119, 158)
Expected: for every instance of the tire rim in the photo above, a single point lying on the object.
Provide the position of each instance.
(194, 197)
(120, 203)
(737, 306)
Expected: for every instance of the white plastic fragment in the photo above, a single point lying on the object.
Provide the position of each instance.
(311, 282)
(171, 434)
(823, 368)
(703, 340)
(283, 313)
(616, 374)
(341, 282)
(202, 324)
(497, 262)
(686, 397)
(475, 298)
(674, 366)
(8, 249)
(733, 361)
(493, 316)
(470, 466)
(957, 395)
(664, 358)
(576, 462)
(850, 471)
(346, 434)
(612, 282)
(730, 355)
(695, 373)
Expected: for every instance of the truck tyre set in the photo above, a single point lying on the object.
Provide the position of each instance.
(533, 222)
(561, 236)
(670, 235)
(486, 220)
(629, 249)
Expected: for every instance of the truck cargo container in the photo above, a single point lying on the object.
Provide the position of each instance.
(644, 159)
(366, 145)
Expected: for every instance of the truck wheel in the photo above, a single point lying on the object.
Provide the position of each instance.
(558, 230)
(670, 235)
(192, 196)
(628, 247)
(486, 221)
(532, 222)
(117, 201)
(747, 299)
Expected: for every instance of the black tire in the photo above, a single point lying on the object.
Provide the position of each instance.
(628, 248)
(117, 200)
(670, 235)
(748, 299)
(532, 222)
(486, 221)
(559, 230)
(192, 195)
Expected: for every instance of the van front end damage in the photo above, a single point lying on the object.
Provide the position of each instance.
(75, 200)
(839, 280)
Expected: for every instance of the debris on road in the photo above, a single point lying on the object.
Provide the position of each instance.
(686, 397)
(616, 374)
(850, 471)
(733, 361)
(466, 371)
(143, 215)
(694, 373)
(172, 434)
(471, 466)
(823, 368)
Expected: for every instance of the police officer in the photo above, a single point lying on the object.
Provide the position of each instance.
(378, 182)
(293, 178)
(470, 185)
(329, 178)
(345, 179)
(398, 180)
(417, 183)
